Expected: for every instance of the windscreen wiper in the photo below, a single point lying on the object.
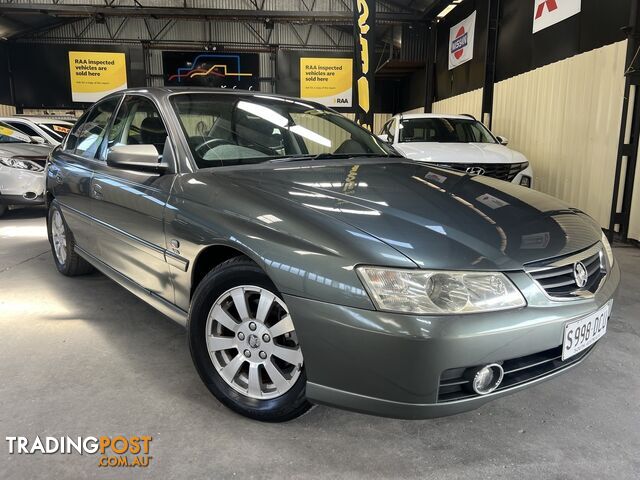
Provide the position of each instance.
(330, 156)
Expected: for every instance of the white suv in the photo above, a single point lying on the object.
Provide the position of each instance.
(459, 142)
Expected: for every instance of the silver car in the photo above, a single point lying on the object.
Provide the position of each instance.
(22, 163)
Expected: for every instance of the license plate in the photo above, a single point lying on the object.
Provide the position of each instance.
(583, 333)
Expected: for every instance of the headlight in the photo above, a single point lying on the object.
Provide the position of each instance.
(439, 292)
(607, 250)
(20, 164)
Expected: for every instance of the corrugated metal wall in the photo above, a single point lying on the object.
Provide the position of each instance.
(565, 117)
(7, 110)
(470, 102)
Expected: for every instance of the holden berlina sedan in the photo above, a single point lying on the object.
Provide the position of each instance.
(459, 142)
(311, 265)
(22, 162)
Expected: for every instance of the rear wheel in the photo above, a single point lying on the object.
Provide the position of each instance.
(244, 345)
(67, 261)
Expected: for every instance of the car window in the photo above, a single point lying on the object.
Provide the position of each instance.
(444, 130)
(24, 128)
(10, 134)
(56, 131)
(227, 130)
(138, 122)
(391, 128)
(92, 131)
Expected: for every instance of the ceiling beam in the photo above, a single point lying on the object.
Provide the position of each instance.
(339, 17)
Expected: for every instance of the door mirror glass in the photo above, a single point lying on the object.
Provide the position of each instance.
(502, 140)
(136, 157)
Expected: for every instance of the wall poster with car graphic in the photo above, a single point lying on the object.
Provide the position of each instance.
(237, 71)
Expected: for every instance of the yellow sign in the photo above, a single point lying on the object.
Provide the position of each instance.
(96, 74)
(328, 81)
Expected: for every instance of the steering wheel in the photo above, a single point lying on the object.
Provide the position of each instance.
(211, 144)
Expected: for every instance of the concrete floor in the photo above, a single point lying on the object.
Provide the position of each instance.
(84, 357)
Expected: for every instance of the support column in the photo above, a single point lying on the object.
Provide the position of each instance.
(493, 19)
(432, 48)
(629, 138)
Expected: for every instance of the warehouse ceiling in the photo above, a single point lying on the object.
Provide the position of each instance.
(20, 19)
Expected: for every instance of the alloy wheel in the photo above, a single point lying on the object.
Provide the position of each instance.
(252, 342)
(59, 237)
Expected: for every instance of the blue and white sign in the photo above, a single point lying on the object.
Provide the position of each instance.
(461, 41)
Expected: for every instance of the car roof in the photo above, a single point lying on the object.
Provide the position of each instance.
(167, 91)
(44, 120)
(435, 115)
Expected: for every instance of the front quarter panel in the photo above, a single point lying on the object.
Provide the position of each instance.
(305, 253)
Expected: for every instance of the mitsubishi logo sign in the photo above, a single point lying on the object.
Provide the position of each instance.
(550, 12)
(551, 5)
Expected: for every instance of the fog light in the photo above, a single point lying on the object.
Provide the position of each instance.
(525, 181)
(485, 379)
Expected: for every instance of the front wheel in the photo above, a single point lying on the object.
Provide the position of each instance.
(244, 345)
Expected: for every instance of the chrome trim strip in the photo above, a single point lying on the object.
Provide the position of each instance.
(570, 260)
(597, 248)
(137, 242)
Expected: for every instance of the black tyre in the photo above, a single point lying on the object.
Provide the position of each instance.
(67, 261)
(3, 209)
(244, 344)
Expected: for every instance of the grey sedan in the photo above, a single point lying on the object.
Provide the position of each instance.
(311, 264)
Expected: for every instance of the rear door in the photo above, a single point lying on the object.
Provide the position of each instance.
(69, 174)
(128, 205)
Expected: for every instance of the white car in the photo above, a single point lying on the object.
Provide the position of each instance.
(22, 164)
(459, 142)
(51, 130)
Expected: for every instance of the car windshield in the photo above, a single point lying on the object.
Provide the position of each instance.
(444, 130)
(225, 129)
(9, 134)
(56, 130)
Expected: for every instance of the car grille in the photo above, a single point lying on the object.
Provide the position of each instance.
(454, 386)
(557, 277)
(501, 171)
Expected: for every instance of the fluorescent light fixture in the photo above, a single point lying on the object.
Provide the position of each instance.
(446, 10)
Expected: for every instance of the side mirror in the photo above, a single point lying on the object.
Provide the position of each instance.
(502, 140)
(143, 158)
(384, 137)
(36, 139)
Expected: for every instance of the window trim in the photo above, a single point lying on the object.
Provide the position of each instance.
(102, 157)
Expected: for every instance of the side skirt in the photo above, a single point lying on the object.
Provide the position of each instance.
(166, 308)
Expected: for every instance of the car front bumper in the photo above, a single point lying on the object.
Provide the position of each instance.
(391, 364)
(21, 187)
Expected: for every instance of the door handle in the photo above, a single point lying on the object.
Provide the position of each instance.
(97, 192)
(58, 178)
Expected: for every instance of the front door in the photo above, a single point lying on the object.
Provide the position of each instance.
(128, 205)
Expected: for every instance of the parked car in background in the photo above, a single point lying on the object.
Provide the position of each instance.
(22, 162)
(459, 142)
(50, 131)
(311, 264)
